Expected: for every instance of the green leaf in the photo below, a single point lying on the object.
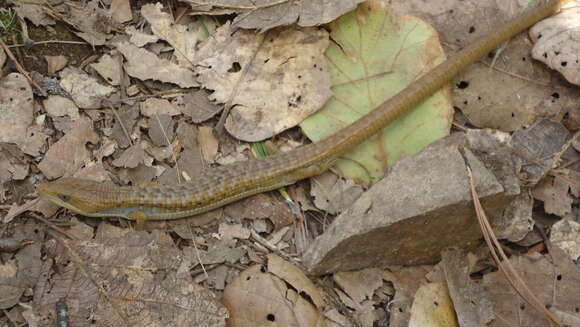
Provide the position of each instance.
(373, 56)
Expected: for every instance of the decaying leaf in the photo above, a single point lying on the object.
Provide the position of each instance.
(268, 14)
(554, 192)
(34, 10)
(432, 307)
(16, 108)
(121, 10)
(554, 283)
(374, 56)
(359, 285)
(93, 23)
(85, 90)
(69, 154)
(55, 63)
(145, 65)
(208, 143)
(332, 193)
(197, 106)
(161, 130)
(273, 80)
(259, 298)
(109, 68)
(183, 38)
(131, 157)
(124, 277)
(565, 234)
(59, 106)
(557, 43)
(155, 106)
(140, 38)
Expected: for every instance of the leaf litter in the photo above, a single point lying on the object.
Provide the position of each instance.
(126, 114)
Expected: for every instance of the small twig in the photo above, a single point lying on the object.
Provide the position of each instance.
(19, 45)
(197, 251)
(53, 226)
(21, 69)
(125, 131)
(505, 266)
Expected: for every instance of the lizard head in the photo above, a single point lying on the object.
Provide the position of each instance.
(79, 195)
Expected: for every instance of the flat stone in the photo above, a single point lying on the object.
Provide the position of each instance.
(421, 207)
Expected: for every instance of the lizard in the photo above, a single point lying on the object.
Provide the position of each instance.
(222, 185)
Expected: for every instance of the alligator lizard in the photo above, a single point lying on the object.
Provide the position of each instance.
(226, 184)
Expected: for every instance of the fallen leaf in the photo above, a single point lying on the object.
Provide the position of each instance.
(131, 157)
(154, 106)
(208, 143)
(16, 108)
(432, 307)
(114, 274)
(258, 298)
(553, 283)
(374, 56)
(121, 11)
(262, 206)
(92, 22)
(406, 280)
(471, 301)
(145, 65)
(161, 130)
(556, 43)
(273, 80)
(296, 278)
(58, 106)
(565, 234)
(359, 285)
(332, 193)
(197, 106)
(231, 231)
(55, 63)
(35, 11)
(126, 119)
(182, 37)
(85, 91)
(554, 192)
(69, 154)
(268, 14)
(109, 68)
(139, 38)
(34, 140)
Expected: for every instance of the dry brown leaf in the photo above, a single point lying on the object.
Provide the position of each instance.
(565, 234)
(262, 206)
(556, 43)
(406, 280)
(554, 192)
(22, 271)
(55, 63)
(332, 193)
(182, 37)
(92, 22)
(208, 143)
(69, 154)
(273, 80)
(359, 285)
(131, 157)
(121, 10)
(115, 280)
(35, 139)
(231, 231)
(472, 304)
(432, 307)
(258, 298)
(555, 284)
(197, 106)
(35, 11)
(126, 119)
(109, 68)
(296, 278)
(145, 65)
(58, 106)
(155, 106)
(139, 38)
(85, 90)
(16, 108)
(268, 14)
(161, 130)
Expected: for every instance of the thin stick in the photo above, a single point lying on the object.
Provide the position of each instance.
(21, 69)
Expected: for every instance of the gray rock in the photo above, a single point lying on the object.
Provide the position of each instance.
(421, 207)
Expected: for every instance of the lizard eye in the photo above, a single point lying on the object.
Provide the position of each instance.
(64, 198)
